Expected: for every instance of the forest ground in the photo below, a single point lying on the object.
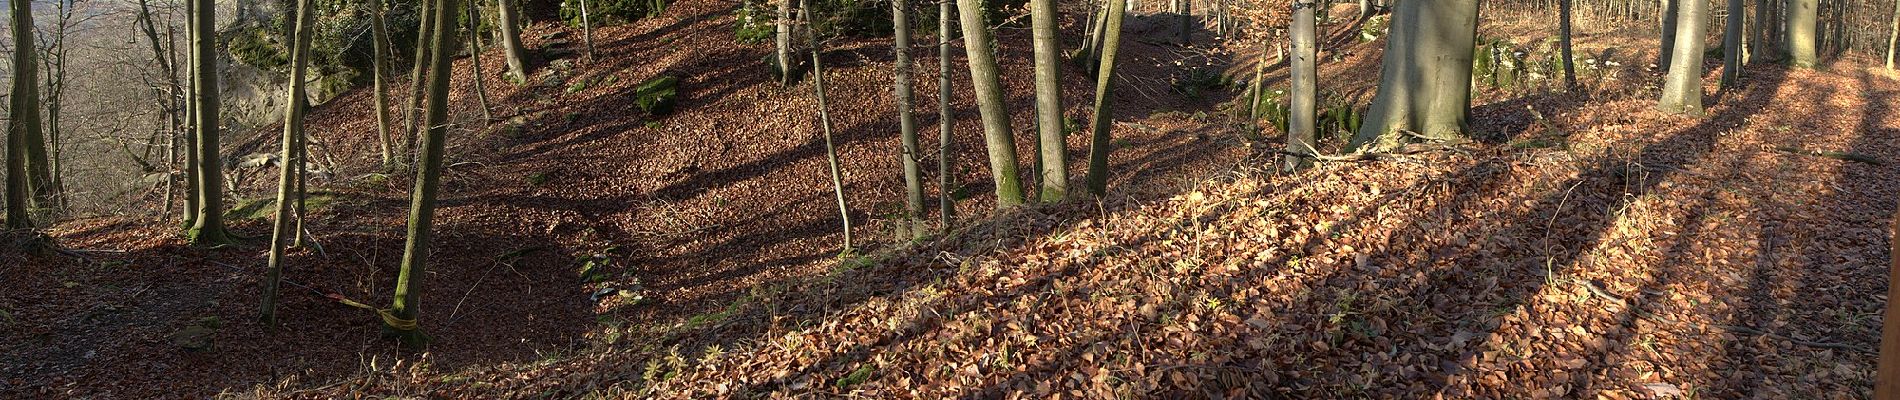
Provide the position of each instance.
(1587, 246)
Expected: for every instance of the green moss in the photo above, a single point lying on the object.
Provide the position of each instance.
(255, 48)
(657, 96)
(263, 207)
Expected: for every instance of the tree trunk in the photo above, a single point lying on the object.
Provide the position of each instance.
(1425, 78)
(474, 15)
(417, 75)
(169, 105)
(379, 63)
(1099, 141)
(1049, 121)
(1732, 44)
(23, 118)
(1303, 98)
(1682, 90)
(1564, 42)
(784, 41)
(1764, 32)
(1893, 38)
(26, 112)
(587, 31)
(511, 42)
(401, 320)
(290, 158)
(1668, 17)
(1187, 22)
(192, 182)
(208, 228)
(1803, 18)
(824, 120)
(1887, 372)
(907, 125)
(997, 135)
(946, 203)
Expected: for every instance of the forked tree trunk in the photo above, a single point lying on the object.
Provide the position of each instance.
(208, 227)
(997, 136)
(379, 63)
(290, 158)
(1682, 89)
(946, 203)
(418, 75)
(1054, 147)
(1803, 19)
(824, 120)
(1099, 140)
(401, 320)
(913, 224)
(511, 42)
(1732, 44)
(1425, 77)
(1303, 96)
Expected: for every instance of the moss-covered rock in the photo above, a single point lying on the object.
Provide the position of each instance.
(657, 96)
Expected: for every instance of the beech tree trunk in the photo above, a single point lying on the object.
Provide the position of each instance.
(24, 180)
(289, 160)
(1803, 20)
(1887, 372)
(784, 42)
(1893, 37)
(1054, 147)
(475, 60)
(190, 217)
(418, 74)
(415, 258)
(1099, 141)
(997, 136)
(907, 124)
(1564, 43)
(824, 120)
(1303, 98)
(208, 227)
(946, 203)
(1682, 89)
(1732, 44)
(1425, 77)
(511, 42)
(1764, 32)
(379, 63)
(1669, 16)
(587, 30)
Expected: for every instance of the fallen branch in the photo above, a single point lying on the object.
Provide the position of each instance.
(1844, 156)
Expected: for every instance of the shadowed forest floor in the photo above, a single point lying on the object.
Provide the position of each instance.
(1588, 246)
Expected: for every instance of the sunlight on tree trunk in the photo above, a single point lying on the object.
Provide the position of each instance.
(946, 201)
(1803, 21)
(415, 258)
(824, 120)
(379, 65)
(474, 15)
(1893, 37)
(1303, 96)
(784, 41)
(1682, 89)
(587, 30)
(208, 229)
(418, 74)
(1732, 44)
(997, 136)
(288, 160)
(1425, 77)
(1049, 120)
(913, 224)
(23, 123)
(1099, 141)
(511, 42)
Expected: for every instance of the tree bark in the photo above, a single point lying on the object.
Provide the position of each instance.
(511, 42)
(1732, 44)
(1564, 42)
(1303, 98)
(379, 63)
(587, 31)
(784, 42)
(402, 319)
(475, 60)
(997, 136)
(1682, 89)
(1187, 22)
(25, 115)
(946, 203)
(907, 124)
(1425, 77)
(190, 217)
(1887, 372)
(418, 74)
(1803, 19)
(289, 160)
(1054, 148)
(209, 227)
(23, 118)
(1099, 141)
(1669, 16)
(824, 120)
(1893, 37)
(1764, 32)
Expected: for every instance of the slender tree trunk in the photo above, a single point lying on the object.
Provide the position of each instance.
(401, 320)
(1682, 90)
(475, 59)
(54, 102)
(1187, 22)
(1668, 17)
(1893, 37)
(1054, 148)
(302, 169)
(379, 63)
(418, 74)
(1764, 32)
(824, 120)
(784, 41)
(587, 31)
(1096, 29)
(946, 202)
(511, 42)
(1803, 20)
(293, 131)
(1425, 77)
(26, 111)
(208, 228)
(989, 101)
(169, 105)
(1099, 141)
(1563, 42)
(23, 118)
(907, 124)
(1887, 372)
(192, 182)
(1732, 44)
(1303, 98)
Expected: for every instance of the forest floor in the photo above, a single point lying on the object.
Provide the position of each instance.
(1587, 246)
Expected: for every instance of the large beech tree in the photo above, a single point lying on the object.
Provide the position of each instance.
(997, 137)
(514, 53)
(1425, 78)
(1803, 21)
(208, 227)
(1682, 89)
(24, 180)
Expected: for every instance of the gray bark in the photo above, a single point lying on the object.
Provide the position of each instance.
(511, 41)
(1303, 97)
(1682, 89)
(208, 227)
(290, 159)
(1054, 147)
(998, 137)
(946, 204)
(907, 124)
(1425, 77)
(1668, 32)
(1099, 141)
(1732, 44)
(379, 64)
(784, 41)
(1803, 19)
(824, 119)
(402, 315)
